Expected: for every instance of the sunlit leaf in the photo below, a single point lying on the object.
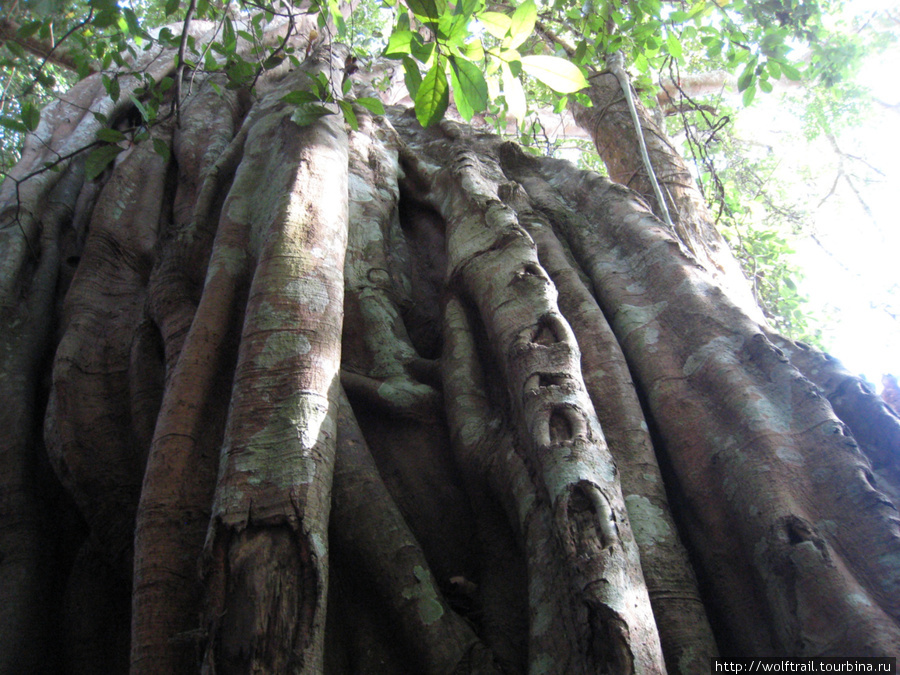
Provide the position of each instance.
(399, 43)
(516, 105)
(411, 77)
(463, 106)
(474, 50)
(430, 10)
(522, 23)
(472, 81)
(495, 23)
(455, 26)
(674, 46)
(558, 74)
(433, 96)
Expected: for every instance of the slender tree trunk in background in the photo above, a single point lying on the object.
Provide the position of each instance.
(610, 124)
(400, 400)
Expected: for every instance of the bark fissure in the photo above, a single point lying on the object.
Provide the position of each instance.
(405, 400)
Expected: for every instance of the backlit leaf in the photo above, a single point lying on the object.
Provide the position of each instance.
(495, 23)
(433, 96)
(430, 10)
(522, 23)
(411, 77)
(516, 104)
(558, 74)
(399, 43)
(469, 87)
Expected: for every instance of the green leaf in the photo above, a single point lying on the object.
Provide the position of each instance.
(26, 30)
(99, 159)
(229, 39)
(749, 93)
(300, 97)
(13, 124)
(560, 75)
(172, 6)
(790, 72)
(273, 61)
(469, 84)
(110, 135)
(516, 105)
(131, 20)
(747, 77)
(474, 51)
(522, 23)
(430, 10)
(455, 26)
(399, 43)
(145, 114)
(308, 113)
(111, 84)
(674, 46)
(421, 51)
(373, 105)
(495, 23)
(349, 116)
(412, 77)
(31, 116)
(162, 149)
(766, 86)
(433, 96)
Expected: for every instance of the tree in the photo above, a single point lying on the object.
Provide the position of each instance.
(341, 393)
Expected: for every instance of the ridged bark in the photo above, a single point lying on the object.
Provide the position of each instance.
(406, 400)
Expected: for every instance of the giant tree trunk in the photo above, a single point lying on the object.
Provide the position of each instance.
(400, 400)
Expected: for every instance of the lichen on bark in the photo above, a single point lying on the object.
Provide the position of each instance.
(393, 399)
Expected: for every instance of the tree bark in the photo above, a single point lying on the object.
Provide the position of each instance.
(405, 400)
(610, 124)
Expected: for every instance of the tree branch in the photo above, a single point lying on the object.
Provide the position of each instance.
(42, 48)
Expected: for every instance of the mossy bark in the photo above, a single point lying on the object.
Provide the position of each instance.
(405, 400)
